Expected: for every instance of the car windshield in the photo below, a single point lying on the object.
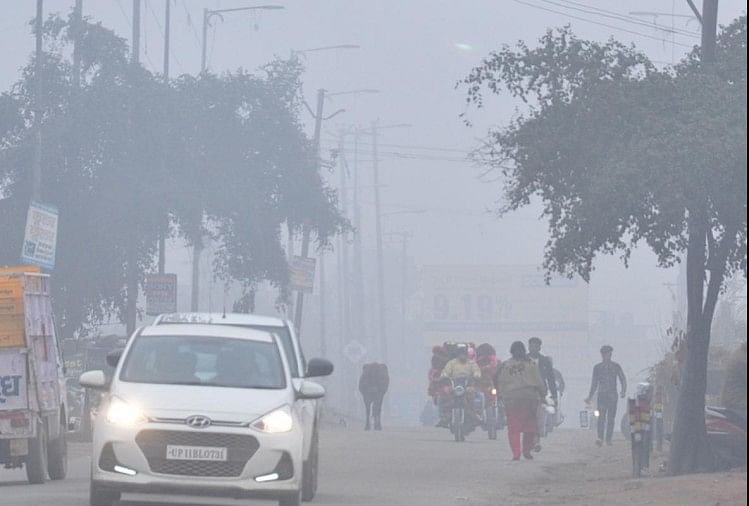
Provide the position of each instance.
(288, 346)
(205, 361)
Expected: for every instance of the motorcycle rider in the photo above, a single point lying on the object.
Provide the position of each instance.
(461, 367)
(605, 376)
(546, 368)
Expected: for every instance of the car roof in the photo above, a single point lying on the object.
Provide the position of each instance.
(221, 319)
(197, 329)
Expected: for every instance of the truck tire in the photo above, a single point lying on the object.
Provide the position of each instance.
(99, 496)
(36, 461)
(310, 472)
(57, 464)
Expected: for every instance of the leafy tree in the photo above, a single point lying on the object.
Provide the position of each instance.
(127, 157)
(619, 153)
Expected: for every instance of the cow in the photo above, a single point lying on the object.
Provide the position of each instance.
(373, 385)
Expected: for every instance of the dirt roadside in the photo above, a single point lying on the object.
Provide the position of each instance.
(603, 476)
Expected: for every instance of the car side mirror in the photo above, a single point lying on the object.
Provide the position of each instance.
(310, 391)
(95, 380)
(319, 367)
(113, 357)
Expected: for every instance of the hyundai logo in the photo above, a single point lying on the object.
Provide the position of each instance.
(198, 421)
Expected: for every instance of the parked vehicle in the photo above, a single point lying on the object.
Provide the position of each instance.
(299, 366)
(33, 414)
(726, 432)
(202, 410)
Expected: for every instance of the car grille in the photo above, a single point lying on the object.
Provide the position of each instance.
(153, 444)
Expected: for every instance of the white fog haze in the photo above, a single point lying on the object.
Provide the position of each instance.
(624, 111)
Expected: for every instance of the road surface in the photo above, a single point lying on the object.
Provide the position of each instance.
(423, 467)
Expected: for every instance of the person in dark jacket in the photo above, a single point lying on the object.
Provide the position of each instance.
(373, 385)
(605, 377)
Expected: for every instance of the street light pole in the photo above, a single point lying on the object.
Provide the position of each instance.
(382, 318)
(208, 14)
(197, 248)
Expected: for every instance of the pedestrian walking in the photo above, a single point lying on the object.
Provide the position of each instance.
(546, 368)
(605, 377)
(521, 388)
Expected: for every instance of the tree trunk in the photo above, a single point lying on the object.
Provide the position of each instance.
(690, 450)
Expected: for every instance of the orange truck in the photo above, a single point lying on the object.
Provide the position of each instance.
(33, 419)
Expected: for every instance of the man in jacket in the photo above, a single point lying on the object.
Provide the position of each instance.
(605, 377)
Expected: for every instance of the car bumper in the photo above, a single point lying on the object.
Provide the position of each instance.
(130, 455)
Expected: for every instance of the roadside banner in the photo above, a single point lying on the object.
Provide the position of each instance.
(161, 294)
(502, 303)
(40, 238)
(302, 274)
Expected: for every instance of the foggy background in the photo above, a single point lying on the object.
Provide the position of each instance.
(413, 52)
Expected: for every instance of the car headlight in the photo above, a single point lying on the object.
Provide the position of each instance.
(596, 413)
(124, 414)
(276, 421)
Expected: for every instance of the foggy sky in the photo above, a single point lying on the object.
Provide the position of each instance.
(414, 51)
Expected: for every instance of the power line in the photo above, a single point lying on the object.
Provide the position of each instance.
(597, 11)
(191, 25)
(613, 27)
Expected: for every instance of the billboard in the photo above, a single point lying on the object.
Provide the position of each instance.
(161, 294)
(302, 274)
(40, 238)
(500, 303)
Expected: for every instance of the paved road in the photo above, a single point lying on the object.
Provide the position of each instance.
(423, 467)
(395, 467)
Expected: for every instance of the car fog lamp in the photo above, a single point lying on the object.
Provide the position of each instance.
(267, 477)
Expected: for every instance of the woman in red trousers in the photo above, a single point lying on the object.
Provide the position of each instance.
(522, 389)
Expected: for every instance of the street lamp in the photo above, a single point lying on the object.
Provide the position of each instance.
(209, 14)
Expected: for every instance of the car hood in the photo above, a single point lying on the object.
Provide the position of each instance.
(217, 403)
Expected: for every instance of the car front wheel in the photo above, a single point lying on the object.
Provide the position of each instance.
(100, 496)
(310, 472)
(294, 499)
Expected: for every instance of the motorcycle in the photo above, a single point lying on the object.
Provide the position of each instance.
(493, 414)
(726, 432)
(463, 419)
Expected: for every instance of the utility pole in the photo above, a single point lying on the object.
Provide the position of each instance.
(136, 33)
(382, 318)
(36, 169)
(323, 309)
(131, 310)
(709, 31)
(358, 263)
(299, 307)
(343, 268)
(167, 33)
(77, 31)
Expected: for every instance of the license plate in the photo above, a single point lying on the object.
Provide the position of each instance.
(19, 447)
(205, 453)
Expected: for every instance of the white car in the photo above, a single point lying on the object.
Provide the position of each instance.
(201, 410)
(300, 368)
